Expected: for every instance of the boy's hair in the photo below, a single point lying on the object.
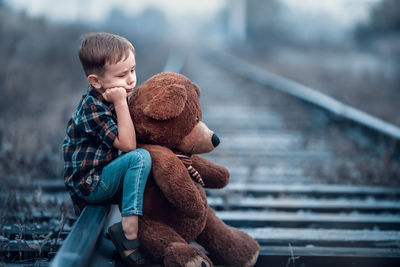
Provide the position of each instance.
(100, 48)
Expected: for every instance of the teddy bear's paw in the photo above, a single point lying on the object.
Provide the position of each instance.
(183, 254)
(198, 261)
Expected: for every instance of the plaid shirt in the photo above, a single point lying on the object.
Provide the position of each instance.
(88, 145)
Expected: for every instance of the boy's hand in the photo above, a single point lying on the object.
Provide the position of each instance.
(115, 94)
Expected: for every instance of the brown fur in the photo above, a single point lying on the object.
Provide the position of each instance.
(166, 111)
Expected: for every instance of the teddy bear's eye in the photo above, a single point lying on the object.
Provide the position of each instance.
(197, 119)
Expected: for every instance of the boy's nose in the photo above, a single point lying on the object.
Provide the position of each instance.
(131, 79)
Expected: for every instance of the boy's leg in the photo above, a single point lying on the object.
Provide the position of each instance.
(133, 189)
(135, 182)
(128, 172)
(131, 171)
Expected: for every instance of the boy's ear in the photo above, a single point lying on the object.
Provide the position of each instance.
(94, 81)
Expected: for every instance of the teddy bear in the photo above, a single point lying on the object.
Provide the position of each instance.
(168, 122)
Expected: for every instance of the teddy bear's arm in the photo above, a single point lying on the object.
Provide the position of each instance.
(172, 177)
(213, 175)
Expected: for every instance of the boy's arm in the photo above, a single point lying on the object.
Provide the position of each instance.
(126, 138)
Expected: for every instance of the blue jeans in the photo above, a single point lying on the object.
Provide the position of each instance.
(130, 171)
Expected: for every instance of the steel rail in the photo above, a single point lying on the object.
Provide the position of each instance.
(81, 241)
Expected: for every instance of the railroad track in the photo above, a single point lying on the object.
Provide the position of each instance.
(265, 143)
(298, 220)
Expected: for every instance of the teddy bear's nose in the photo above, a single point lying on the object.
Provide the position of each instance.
(215, 140)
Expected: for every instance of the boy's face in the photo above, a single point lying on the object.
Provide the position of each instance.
(120, 74)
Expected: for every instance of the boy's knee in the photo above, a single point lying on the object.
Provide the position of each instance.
(141, 155)
(145, 155)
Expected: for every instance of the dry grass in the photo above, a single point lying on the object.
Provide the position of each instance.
(36, 89)
(357, 158)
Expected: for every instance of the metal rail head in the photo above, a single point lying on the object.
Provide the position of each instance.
(81, 241)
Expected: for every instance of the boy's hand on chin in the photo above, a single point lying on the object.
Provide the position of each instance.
(115, 94)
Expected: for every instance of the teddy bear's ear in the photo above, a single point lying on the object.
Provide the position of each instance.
(167, 104)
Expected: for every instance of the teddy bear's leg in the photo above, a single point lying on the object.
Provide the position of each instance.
(228, 245)
(162, 243)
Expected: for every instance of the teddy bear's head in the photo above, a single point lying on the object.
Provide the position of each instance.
(166, 111)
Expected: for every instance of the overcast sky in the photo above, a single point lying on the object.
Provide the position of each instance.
(96, 10)
(345, 11)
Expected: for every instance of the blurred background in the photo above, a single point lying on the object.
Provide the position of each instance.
(349, 49)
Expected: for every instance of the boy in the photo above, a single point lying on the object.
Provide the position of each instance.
(100, 130)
